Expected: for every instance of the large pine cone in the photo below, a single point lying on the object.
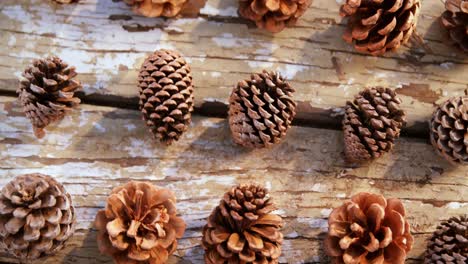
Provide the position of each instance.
(368, 229)
(449, 130)
(455, 19)
(242, 229)
(166, 94)
(371, 124)
(157, 8)
(139, 224)
(47, 91)
(273, 15)
(36, 216)
(377, 26)
(261, 110)
(449, 243)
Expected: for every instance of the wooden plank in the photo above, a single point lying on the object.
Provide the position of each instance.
(108, 43)
(97, 148)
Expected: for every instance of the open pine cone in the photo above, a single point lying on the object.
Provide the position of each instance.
(261, 110)
(449, 130)
(157, 8)
(449, 243)
(166, 94)
(139, 224)
(273, 15)
(371, 124)
(377, 26)
(36, 217)
(455, 20)
(242, 229)
(46, 92)
(368, 229)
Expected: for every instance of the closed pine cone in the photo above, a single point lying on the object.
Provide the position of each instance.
(273, 15)
(449, 130)
(139, 224)
(371, 124)
(377, 26)
(157, 8)
(368, 229)
(261, 110)
(449, 243)
(242, 229)
(166, 94)
(455, 20)
(36, 216)
(46, 92)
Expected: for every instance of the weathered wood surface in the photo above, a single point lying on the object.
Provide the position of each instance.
(97, 148)
(108, 43)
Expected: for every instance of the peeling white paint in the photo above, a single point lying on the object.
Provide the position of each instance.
(215, 74)
(227, 40)
(12, 41)
(314, 222)
(326, 212)
(455, 205)
(211, 123)
(215, 11)
(130, 127)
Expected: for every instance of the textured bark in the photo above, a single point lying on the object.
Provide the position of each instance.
(306, 174)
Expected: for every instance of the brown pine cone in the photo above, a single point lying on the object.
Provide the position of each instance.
(449, 243)
(36, 216)
(377, 26)
(371, 124)
(157, 8)
(46, 92)
(261, 110)
(166, 94)
(242, 229)
(139, 224)
(368, 229)
(449, 130)
(455, 20)
(273, 15)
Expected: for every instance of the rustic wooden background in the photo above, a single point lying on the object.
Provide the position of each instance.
(104, 143)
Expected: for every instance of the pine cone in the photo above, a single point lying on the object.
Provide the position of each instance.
(166, 94)
(152, 8)
(368, 229)
(371, 124)
(377, 26)
(455, 20)
(139, 224)
(273, 15)
(47, 91)
(449, 130)
(242, 229)
(36, 216)
(449, 243)
(261, 110)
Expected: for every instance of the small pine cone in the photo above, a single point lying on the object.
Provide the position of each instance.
(166, 94)
(273, 15)
(371, 124)
(151, 8)
(46, 92)
(242, 229)
(139, 224)
(368, 229)
(449, 130)
(449, 243)
(36, 217)
(261, 110)
(377, 26)
(455, 20)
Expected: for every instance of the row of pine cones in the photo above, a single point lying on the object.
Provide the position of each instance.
(261, 108)
(374, 26)
(139, 225)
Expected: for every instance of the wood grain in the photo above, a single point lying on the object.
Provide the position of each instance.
(107, 44)
(97, 148)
